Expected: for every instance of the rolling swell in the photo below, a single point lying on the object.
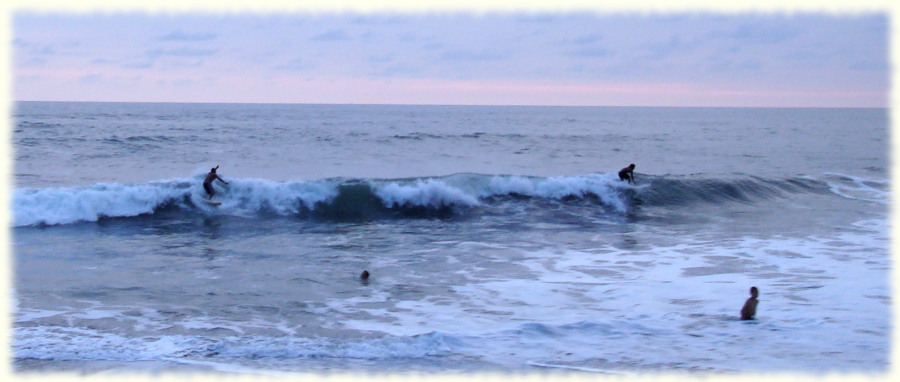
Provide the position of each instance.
(357, 200)
(364, 199)
(672, 191)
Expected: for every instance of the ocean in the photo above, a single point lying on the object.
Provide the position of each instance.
(497, 239)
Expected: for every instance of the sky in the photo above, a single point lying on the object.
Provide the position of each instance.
(582, 57)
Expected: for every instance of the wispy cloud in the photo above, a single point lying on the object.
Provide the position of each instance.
(35, 48)
(590, 52)
(760, 33)
(869, 65)
(475, 55)
(298, 64)
(181, 52)
(732, 66)
(587, 39)
(91, 78)
(180, 35)
(737, 52)
(140, 64)
(331, 35)
(674, 45)
(399, 70)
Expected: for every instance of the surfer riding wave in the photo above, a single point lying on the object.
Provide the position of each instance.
(207, 183)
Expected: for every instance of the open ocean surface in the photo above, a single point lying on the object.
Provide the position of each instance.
(499, 239)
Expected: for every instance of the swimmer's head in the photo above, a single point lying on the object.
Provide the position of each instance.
(754, 292)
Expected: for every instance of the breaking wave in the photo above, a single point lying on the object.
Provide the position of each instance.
(340, 198)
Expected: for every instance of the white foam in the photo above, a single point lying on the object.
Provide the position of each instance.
(857, 188)
(232, 368)
(249, 196)
(61, 344)
(579, 368)
(57, 343)
(95, 314)
(468, 189)
(569, 303)
(69, 205)
(243, 197)
(25, 315)
(604, 186)
(430, 192)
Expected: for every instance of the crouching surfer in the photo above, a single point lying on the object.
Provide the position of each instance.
(627, 173)
(207, 183)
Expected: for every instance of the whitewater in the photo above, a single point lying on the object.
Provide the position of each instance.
(254, 197)
(498, 239)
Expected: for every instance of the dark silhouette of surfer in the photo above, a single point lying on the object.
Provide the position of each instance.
(364, 278)
(627, 173)
(207, 183)
(749, 309)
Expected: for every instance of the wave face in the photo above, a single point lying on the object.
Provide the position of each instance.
(748, 189)
(343, 199)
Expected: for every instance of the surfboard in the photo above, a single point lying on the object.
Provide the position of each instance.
(213, 203)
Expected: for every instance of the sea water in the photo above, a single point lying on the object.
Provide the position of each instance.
(498, 239)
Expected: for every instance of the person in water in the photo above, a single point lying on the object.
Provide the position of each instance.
(207, 183)
(749, 309)
(627, 173)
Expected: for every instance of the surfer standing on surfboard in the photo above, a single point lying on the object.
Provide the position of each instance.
(627, 173)
(207, 183)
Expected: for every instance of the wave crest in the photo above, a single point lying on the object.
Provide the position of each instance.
(339, 199)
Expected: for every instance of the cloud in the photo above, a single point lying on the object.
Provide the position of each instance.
(143, 64)
(35, 48)
(180, 35)
(90, 79)
(177, 82)
(407, 37)
(587, 39)
(298, 64)
(181, 52)
(331, 35)
(474, 55)
(869, 66)
(760, 33)
(584, 46)
(399, 70)
(381, 58)
(728, 66)
(379, 19)
(673, 46)
(433, 46)
(590, 52)
(708, 49)
(529, 18)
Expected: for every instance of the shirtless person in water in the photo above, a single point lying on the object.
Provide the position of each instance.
(207, 183)
(749, 309)
(627, 173)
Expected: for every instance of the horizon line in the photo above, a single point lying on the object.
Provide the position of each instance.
(456, 105)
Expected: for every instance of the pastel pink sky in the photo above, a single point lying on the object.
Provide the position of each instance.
(590, 59)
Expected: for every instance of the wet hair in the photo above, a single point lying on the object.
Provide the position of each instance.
(364, 275)
(754, 291)
(212, 169)
(632, 165)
